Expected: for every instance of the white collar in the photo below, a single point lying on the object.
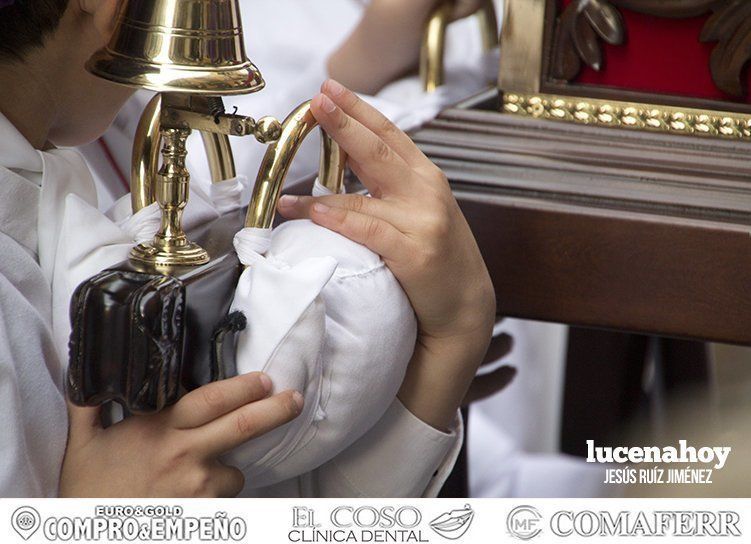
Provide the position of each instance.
(16, 152)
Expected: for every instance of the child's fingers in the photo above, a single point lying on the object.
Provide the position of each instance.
(215, 399)
(247, 422)
(378, 235)
(298, 207)
(383, 167)
(84, 421)
(375, 121)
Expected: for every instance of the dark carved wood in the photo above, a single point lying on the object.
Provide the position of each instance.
(582, 21)
(602, 227)
(730, 26)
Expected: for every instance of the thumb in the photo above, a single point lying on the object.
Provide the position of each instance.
(84, 421)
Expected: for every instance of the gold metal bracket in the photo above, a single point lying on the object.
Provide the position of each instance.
(433, 50)
(171, 118)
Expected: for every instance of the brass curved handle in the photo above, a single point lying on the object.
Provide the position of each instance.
(433, 48)
(278, 159)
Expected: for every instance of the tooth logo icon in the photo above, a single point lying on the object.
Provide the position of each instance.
(25, 521)
(453, 525)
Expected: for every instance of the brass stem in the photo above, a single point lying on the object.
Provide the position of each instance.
(170, 245)
(433, 49)
(278, 158)
(172, 189)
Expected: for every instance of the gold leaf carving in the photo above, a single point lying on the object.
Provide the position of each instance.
(629, 115)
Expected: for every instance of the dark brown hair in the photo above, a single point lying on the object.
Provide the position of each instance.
(24, 24)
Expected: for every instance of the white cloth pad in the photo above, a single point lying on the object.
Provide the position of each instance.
(325, 317)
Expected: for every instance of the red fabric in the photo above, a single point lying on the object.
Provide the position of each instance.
(660, 55)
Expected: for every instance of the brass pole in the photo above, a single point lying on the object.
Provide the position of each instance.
(433, 48)
(171, 246)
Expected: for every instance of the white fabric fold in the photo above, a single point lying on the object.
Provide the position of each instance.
(325, 317)
(251, 243)
(227, 195)
(320, 190)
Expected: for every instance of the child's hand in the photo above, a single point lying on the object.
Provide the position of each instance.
(173, 453)
(386, 43)
(414, 223)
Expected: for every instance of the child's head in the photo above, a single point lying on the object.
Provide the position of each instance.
(44, 46)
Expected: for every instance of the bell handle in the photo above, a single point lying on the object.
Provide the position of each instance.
(433, 48)
(146, 148)
(278, 159)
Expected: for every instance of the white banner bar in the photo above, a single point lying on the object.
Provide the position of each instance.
(321, 521)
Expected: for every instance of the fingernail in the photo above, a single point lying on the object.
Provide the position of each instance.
(287, 201)
(334, 87)
(320, 208)
(265, 382)
(299, 401)
(327, 105)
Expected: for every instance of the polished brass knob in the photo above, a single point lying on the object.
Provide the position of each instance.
(267, 130)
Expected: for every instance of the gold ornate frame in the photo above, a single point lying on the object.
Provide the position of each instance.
(542, 52)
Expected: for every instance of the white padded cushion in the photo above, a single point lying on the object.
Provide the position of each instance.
(325, 317)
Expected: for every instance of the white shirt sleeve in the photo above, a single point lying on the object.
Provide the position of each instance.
(401, 456)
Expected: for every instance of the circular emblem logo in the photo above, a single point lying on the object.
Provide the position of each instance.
(524, 522)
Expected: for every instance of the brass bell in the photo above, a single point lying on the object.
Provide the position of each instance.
(193, 46)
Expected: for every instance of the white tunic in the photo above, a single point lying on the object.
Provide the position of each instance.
(32, 409)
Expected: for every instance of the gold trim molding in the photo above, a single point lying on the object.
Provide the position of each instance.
(612, 113)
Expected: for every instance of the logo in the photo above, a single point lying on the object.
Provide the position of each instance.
(678, 523)
(358, 523)
(524, 522)
(454, 524)
(25, 521)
